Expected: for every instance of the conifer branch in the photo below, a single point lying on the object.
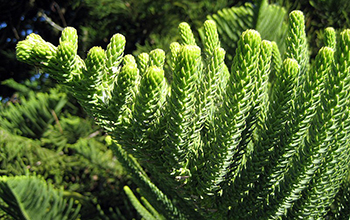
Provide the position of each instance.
(278, 113)
(181, 136)
(231, 121)
(266, 138)
(187, 37)
(154, 195)
(329, 38)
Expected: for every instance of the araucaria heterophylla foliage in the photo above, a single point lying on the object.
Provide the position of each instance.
(265, 138)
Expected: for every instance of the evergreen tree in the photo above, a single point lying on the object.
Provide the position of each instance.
(218, 141)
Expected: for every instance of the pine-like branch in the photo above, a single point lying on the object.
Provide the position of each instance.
(181, 138)
(279, 110)
(232, 120)
(265, 139)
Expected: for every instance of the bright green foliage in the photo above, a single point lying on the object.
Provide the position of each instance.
(297, 48)
(231, 121)
(143, 210)
(181, 136)
(30, 197)
(263, 138)
(136, 203)
(267, 19)
(329, 38)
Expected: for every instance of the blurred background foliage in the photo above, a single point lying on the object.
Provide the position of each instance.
(43, 130)
(39, 134)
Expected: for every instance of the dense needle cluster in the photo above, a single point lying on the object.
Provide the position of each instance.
(264, 138)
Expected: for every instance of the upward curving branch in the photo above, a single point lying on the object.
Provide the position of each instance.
(265, 138)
